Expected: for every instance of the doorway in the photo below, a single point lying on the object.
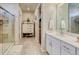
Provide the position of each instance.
(40, 31)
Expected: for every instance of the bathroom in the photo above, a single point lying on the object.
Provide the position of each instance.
(39, 28)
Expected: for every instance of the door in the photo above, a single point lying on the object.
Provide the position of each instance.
(40, 31)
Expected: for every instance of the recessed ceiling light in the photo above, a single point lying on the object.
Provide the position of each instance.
(28, 9)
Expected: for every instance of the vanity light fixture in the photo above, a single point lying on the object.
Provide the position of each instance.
(28, 8)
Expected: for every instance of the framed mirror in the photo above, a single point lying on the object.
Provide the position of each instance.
(62, 18)
(73, 18)
(51, 23)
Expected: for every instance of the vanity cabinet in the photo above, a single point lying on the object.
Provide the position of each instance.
(55, 46)
(49, 44)
(77, 51)
(52, 45)
(67, 49)
(28, 29)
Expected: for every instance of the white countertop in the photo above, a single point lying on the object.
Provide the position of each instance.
(69, 39)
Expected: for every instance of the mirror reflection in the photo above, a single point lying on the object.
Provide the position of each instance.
(62, 18)
(74, 18)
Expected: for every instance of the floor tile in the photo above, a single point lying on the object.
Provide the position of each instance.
(27, 46)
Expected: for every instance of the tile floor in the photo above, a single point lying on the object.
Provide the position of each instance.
(27, 46)
(0, 48)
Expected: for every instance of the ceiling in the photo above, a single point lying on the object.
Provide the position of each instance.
(28, 7)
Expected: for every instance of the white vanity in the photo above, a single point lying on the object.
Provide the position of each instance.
(59, 41)
(61, 45)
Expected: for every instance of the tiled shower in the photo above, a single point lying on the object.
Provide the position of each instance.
(6, 30)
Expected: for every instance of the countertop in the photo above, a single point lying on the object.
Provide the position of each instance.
(66, 38)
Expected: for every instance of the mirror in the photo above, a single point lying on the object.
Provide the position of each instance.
(74, 18)
(62, 18)
(51, 24)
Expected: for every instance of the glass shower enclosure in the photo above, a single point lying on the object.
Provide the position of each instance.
(6, 30)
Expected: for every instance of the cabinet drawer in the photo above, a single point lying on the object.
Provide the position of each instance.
(67, 49)
(30, 25)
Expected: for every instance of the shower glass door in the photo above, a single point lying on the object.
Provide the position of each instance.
(7, 30)
(1, 30)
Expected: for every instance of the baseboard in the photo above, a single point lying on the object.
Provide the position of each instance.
(43, 50)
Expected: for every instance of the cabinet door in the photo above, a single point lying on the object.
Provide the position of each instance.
(67, 49)
(55, 46)
(49, 44)
(77, 51)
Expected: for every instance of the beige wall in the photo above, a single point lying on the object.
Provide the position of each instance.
(27, 15)
(48, 12)
(37, 23)
(20, 18)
